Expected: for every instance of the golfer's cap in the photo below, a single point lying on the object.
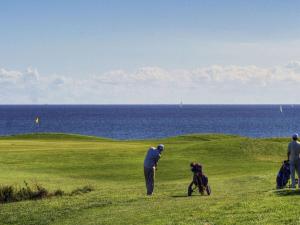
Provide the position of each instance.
(295, 136)
(161, 147)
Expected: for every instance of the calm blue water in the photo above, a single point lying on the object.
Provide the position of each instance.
(138, 122)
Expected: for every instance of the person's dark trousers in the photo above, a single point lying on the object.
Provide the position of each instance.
(149, 178)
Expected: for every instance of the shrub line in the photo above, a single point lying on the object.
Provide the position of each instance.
(13, 193)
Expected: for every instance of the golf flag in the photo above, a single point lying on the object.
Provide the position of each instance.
(37, 120)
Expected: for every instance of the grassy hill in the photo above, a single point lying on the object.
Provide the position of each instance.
(241, 172)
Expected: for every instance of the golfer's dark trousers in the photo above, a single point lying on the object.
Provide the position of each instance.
(149, 178)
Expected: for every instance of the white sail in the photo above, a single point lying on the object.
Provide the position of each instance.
(181, 104)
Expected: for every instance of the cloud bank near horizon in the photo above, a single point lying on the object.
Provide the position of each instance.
(154, 85)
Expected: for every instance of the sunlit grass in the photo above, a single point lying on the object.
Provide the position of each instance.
(241, 173)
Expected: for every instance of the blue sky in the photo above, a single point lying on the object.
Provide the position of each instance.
(87, 39)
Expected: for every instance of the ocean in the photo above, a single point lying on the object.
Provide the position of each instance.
(151, 121)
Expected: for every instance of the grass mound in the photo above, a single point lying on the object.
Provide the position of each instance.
(53, 136)
(12, 193)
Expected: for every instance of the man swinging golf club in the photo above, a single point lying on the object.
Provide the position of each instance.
(150, 165)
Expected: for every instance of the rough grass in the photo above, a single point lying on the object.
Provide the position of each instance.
(11, 193)
(16, 193)
(241, 173)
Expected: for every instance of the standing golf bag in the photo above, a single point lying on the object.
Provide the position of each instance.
(283, 175)
(200, 181)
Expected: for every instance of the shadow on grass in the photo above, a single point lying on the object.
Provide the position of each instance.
(287, 192)
(180, 196)
(186, 196)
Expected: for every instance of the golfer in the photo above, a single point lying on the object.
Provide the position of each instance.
(294, 158)
(150, 165)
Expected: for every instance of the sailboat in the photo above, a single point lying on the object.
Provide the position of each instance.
(181, 104)
(280, 108)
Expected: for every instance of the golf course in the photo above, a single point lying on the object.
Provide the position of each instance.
(242, 175)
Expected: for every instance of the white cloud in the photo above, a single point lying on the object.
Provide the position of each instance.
(141, 75)
(213, 84)
(210, 75)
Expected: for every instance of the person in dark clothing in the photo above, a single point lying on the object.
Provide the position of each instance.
(293, 155)
(150, 165)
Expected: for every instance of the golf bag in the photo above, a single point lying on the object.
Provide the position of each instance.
(199, 181)
(283, 175)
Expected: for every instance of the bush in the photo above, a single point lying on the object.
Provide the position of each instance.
(58, 192)
(11, 193)
(7, 194)
(83, 190)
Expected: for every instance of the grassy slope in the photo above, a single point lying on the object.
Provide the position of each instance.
(241, 172)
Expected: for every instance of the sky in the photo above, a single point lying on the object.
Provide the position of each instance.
(149, 52)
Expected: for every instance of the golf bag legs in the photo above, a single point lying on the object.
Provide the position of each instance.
(190, 189)
(200, 187)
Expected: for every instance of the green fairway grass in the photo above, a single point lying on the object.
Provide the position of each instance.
(241, 171)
